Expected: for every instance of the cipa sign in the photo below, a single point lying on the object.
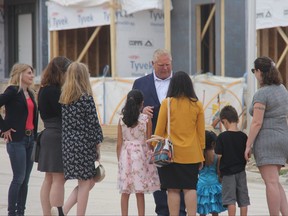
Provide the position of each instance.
(136, 44)
(140, 43)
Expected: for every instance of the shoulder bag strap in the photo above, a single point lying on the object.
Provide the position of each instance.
(168, 117)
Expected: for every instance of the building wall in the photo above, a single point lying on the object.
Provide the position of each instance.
(13, 9)
(183, 36)
(43, 41)
(2, 40)
(235, 38)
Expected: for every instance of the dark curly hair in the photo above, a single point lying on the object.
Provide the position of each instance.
(270, 74)
(132, 108)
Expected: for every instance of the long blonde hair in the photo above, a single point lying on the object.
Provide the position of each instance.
(76, 83)
(16, 75)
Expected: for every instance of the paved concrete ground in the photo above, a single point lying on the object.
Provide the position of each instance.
(104, 198)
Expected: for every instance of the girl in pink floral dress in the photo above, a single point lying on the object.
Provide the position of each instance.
(135, 174)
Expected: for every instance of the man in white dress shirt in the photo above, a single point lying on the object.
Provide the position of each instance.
(154, 87)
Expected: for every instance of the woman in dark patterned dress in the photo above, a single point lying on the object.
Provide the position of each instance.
(81, 134)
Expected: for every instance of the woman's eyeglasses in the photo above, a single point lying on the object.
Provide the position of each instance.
(253, 70)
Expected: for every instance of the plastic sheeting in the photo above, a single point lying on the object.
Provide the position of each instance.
(130, 6)
(269, 13)
(80, 3)
(213, 91)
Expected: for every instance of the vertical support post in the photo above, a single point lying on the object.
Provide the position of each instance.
(113, 38)
(167, 24)
(54, 44)
(251, 55)
(222, 49)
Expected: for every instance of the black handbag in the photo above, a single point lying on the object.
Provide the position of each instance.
(36, 148)
(163, 151)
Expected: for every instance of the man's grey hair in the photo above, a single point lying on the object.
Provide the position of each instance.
(161, 52)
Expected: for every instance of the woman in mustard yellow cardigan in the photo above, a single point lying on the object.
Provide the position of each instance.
(187, 133)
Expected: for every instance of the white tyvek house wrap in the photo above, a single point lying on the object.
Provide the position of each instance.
(80, 3)
(271, 13)
(130, 6)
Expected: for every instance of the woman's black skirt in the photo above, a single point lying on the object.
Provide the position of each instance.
(50, 157)
(179, 176)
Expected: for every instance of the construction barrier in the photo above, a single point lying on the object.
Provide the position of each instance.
(213, 91)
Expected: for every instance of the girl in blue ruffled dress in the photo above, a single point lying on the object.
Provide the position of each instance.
(209, 189)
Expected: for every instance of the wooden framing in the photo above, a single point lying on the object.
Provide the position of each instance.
(88, 45)
(208, 27)
(95, 46)
(212, 13)
(273, 42)
(285, 51)
(113, 7)
(96, 49)
(167, 24)
(54, 43)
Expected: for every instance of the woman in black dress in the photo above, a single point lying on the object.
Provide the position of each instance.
(50, 157)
